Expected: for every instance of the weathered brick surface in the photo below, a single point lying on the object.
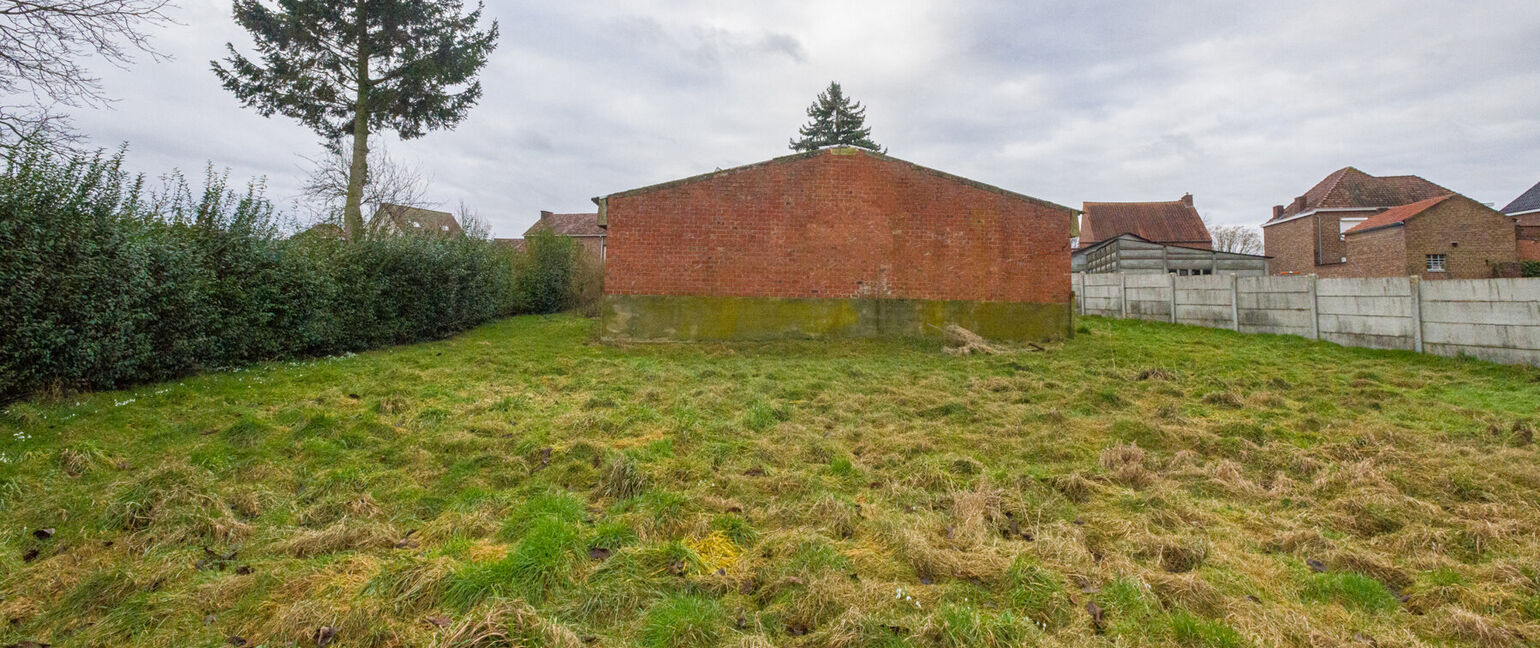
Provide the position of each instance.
(838, 224)
(1291, 246)
(1379, 253)
(1473, 237)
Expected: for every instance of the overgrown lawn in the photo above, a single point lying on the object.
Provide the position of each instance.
(523, 485)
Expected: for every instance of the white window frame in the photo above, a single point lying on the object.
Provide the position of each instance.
(1437, 263)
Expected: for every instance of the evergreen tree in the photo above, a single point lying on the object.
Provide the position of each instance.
(352, 67)
(836, 121)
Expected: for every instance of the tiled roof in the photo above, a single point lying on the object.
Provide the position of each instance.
(568, 224)
(1350, 188)
(1397, 214)
(416, 219)
(1159, 222)
(517, 244)
(1530, 201)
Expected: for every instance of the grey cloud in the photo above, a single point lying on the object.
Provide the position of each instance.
(1243, 104)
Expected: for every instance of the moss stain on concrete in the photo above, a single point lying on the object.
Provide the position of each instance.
(700, 318)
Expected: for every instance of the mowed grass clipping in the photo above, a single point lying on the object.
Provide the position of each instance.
(524, 485)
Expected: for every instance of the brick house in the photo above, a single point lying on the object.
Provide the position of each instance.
(1309, 234)
(1448, 237)
(839, 242)
(1169, 223)
(1525, 212)
(399, 219)
(582, 228)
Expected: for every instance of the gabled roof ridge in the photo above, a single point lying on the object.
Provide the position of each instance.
(1396, 215)
(1137, 202)
(1340, 173)
(838, 150)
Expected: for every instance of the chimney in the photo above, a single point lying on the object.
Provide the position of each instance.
(544, 214)
(1277, 212)
(1187, 200)
(1299, 205)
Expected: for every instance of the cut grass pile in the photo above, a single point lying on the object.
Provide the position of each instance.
(521, 485)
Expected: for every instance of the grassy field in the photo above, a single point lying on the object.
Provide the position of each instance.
(523, 485)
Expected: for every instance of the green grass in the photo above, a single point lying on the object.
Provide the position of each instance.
(525, 485)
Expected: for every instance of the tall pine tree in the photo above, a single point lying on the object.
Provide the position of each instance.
(353, 67)
(836, 121)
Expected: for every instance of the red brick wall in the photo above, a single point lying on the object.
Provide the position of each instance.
(1377, 253)
(836, 225)
(1485, 237)
(1291, 246)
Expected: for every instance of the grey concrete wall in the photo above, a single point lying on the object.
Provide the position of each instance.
(1278, 305)
(1492, 319)
(1205, 301)
(1101, 294)
(1149, 296)
(1367, 312)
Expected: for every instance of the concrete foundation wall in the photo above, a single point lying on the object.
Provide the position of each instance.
(1492, 319)
(707, 318)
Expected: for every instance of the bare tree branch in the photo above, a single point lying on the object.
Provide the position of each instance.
(388, 181)
(1236, 238)
(43, 48)
(472, 224)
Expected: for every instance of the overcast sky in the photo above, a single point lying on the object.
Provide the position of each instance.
(1243, 104)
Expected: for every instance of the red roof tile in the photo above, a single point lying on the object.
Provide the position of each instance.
(1397, 214)
(1159, 222)
(568, 224)
(1350, 188)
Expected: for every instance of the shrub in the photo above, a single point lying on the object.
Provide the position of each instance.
(1529, 268)
(107, 284)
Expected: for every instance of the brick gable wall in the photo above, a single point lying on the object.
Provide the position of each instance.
(837, 225)
(1484, 235)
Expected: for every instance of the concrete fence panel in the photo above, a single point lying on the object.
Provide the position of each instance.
(1492, 319)
(1205, 301)
(1149, 296)
(1277, 305)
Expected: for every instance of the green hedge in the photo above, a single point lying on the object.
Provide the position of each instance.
(106, 284)
(1530, 268)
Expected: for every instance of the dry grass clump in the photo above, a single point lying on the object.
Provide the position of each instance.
(343, 536)
(1464, 625)
(963, 342)
(622, 478)
(935, 556)
(507, 624)
(1125, 464)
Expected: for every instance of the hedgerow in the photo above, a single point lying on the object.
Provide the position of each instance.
(106, 283)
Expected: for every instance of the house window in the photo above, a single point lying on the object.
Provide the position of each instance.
(1436, 262)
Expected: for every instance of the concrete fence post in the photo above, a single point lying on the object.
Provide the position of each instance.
(1235, 301)
(1315, 308)
(1415, 292)
(1123, 293)
(1172, 275)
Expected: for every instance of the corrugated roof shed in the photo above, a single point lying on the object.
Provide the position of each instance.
(1176, 221)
